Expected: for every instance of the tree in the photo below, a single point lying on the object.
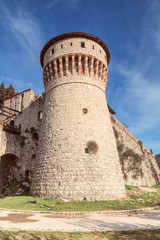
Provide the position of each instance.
(9, 91)
(5, 93)
(2, 94)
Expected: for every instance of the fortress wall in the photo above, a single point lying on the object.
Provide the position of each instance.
(151, 172)
(23, 146)
(20, 100)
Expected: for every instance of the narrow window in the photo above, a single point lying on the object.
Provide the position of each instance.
(39, 115)
(61, 46)
(86, 150)
(83, 44)
(89, 64)
(100, 51)
(71, 43)
(52, 50)
(76, 63)
(64, 66)
(93, 47)
(22, 96)
(58, 70)
(83, 63)
(70, 64)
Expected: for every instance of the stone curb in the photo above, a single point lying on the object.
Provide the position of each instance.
(88, 213)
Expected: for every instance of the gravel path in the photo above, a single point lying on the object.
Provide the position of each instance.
(47, 222)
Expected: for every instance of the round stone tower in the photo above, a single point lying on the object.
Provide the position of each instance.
(77, 156)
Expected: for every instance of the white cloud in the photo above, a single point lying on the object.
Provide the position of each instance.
(18, 84)
(138, 94)
(24, 27)
(141, 96)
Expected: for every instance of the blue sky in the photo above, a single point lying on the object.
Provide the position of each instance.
(131, 30)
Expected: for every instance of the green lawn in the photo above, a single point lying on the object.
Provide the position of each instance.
(122, 235)
(135, 200)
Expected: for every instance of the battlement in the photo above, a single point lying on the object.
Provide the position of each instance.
(75, 64)
(75, 58)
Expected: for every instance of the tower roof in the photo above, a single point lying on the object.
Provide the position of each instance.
(74, 35)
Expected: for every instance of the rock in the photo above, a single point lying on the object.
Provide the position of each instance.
(26, 184)
(147, 189)
(33, 201)
(84, 199)
(62, 199)
(139, 200)
(19, 192)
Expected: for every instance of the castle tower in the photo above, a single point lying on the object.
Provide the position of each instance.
(77, 156)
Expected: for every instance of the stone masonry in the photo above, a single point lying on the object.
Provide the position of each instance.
(63, 143)
(77, 156)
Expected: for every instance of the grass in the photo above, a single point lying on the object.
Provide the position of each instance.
(136, 199)
(121, 235)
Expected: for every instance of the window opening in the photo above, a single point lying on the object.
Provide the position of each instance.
(83, 44)
(64, 66)
(40, 115)
(76, 63)
(70, 64)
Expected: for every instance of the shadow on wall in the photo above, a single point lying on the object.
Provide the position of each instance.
(18, 151)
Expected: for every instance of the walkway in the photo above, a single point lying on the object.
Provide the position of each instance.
(47, 222)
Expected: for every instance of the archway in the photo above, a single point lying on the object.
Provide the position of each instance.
(8, 174)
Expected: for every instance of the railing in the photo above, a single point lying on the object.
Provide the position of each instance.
(11, 129)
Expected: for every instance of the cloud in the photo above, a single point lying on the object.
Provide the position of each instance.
(18, 84)
(24, 27)
(137, 94)
(152, 21)
(141, 97)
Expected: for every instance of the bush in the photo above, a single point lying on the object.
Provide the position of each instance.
(129, 187)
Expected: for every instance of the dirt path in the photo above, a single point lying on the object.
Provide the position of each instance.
(47, 222)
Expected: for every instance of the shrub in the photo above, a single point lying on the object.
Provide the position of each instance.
(129, 187)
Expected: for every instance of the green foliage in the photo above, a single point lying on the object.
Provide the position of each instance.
(129, 187)
(2, 94)
(110, 235)
(156, 186)
(54, 205)
(120, 147)
(9, 92)
(133, 159)
(5, 93)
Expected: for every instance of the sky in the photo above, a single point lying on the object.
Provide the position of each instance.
(131, 30)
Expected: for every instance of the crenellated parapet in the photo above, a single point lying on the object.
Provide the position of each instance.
(74, 65)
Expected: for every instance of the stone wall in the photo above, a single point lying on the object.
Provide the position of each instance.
(147, 169)
(23, 147)
(77, 155)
